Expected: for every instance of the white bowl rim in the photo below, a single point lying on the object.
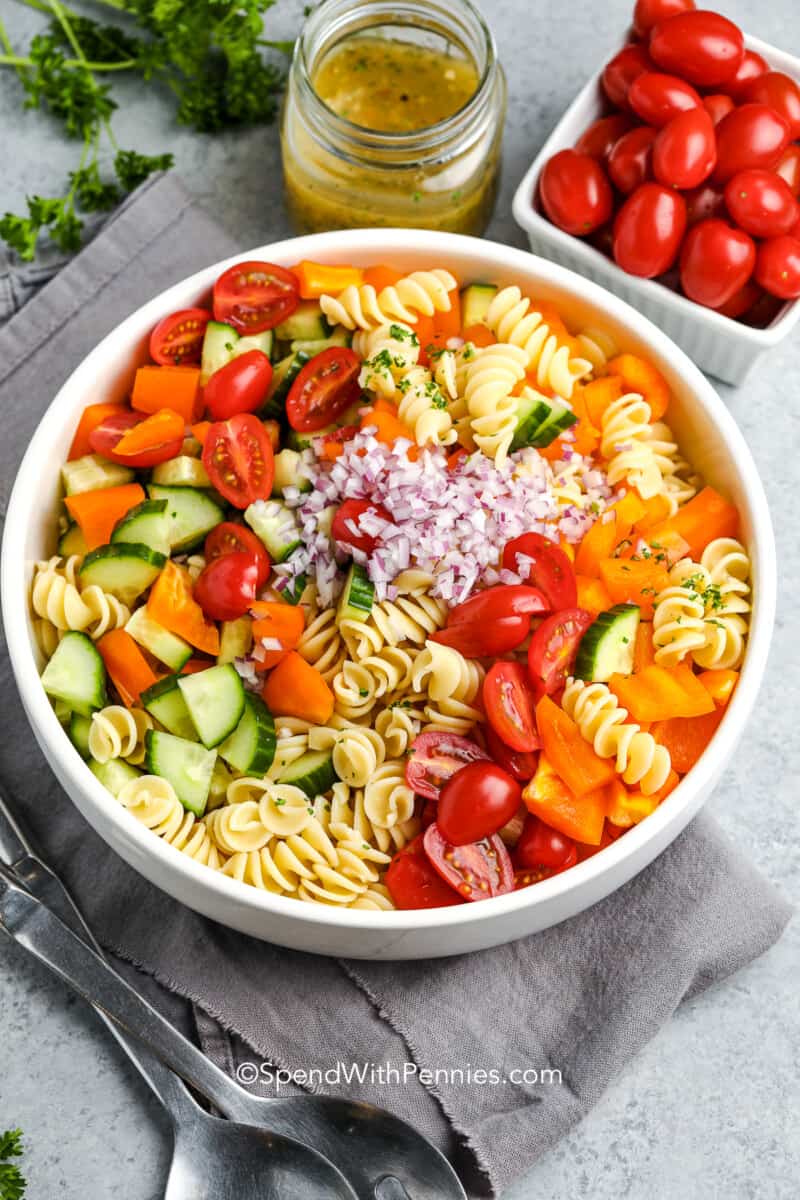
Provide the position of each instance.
(379, 243)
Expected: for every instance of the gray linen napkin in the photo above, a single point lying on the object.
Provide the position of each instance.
(579, 999)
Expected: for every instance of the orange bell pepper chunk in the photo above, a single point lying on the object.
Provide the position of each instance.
(548, 797)
(659, 693)
(296, 689)
(173, 605)
(319, 279)
(424, 330)
(632, 581)
(639, 375)
(177, 388)
(630, 508)
(644, 652)
(610, 835)
(597, 545)
(686, 738)
(127, 667)
(707, 516)
(278, 622)
(580, 438)
(200, 431)
(457, 457)
(381, 277)
(388, 427)
(597, 396)
(592, 595)
(195, 665)
(655, 510)
(628, 808)
(571, 756)
(90, 418)
(157, 430)
(479, 335)
(97, 512)
(448, 324)
(719, 684)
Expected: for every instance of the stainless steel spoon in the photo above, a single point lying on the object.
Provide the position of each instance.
(383, 1157)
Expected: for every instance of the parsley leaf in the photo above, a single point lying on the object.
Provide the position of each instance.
(12, 1183)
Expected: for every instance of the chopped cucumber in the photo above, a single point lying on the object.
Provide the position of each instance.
(312, 346)
(72, 541)
(76, 674)
(607, 647)
(193, 513)
(126, 569)
(79, 728)
(358, 595)
(533, 409)
(164, 701)
(276, 526)
(113, 774)
(163, 645)
(307, 321)
(297, 441)
(92, 472)
(284, 375)
(313, 773)
(62, 711)
(148, 524)
(475, 301)
(186, 765)
(559, 418)
(183, 471)
(294, 592)
(255, 341)
(287, 472)
(219, 343)
(215, 700)
(235, 639)
(251, 746)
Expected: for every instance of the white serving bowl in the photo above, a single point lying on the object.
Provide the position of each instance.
(721, 346)
(709, 437)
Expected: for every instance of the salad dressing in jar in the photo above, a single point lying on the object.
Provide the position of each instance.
(393, 116)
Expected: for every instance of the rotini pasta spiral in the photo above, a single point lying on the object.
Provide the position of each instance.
(391, 669)
(344, 818)
(676, 488)
(362, 307)
(491, 408)
(388, 800)
(153, 802)
(423, 408)
(388, 352)
(398, 725)
(639, 758)
(678, 622)
(118, 732)
(47, 636)
(321, 644)
(356, 751)
(445, 674)
(727, 567)
(625, 444)
(291, 743)
(375, 897)
(56, 597)
(598, 346)
(237, 828)
(355, 690)
(514, 321)
(410, 618)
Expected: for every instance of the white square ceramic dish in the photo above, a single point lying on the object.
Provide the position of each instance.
(719, 345)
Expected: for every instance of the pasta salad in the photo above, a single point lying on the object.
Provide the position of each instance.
(388, 590)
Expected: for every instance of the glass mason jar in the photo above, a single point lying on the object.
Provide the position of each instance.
(340, 175)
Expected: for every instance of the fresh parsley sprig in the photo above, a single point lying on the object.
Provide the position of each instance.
(12, 1183)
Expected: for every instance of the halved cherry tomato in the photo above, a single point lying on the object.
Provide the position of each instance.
(521, 766)
(413, 883)
(237, 455)
(549, 570)
(476, 871)
(240, 386)
(105, 438)
(504, 600)
(717, 106)
(476, 802)
(618, 74)
(477, 639)
(703, 47)
(575, 192)
(350, 513)
(541, 848)
(753, 135)
(761, 203)
(751, 66)
(630, 161)
(553, 647)
(254, 296)
(435, 757)
(780, 92)
(716, 261)
(648, 13)
(226, 588)
(230, 538)
(657, 97)
(778, 267)
(178, 338)
(648, 230)
(509, 702)
(599, 139)
(325, 386)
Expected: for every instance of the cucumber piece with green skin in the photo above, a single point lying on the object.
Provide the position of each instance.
(215, 700)
(167, 647)
(183, 471)
(313, 773)
(186, 765)
(62, 711)
(113, 774)
(76, 674)
(358, 595)
(193, 514)
(251, 746)
(126, 569)
(255, 341)
(93, 472)
(560, 418)
(287, 473)
(276, 526)
(164, 701)
(147, 523)
(284, 375)
(532, 411)
(219, 342)
(313, 346)
(79, 728)
(294, 592)
(475, 301)
(72, 541)
(235, 640)
(307, 321)
(607, 647)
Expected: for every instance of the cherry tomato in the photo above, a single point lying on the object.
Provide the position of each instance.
(630, 162)
(648, 230)
(620, 72)
(230, 538)
(704, 201)
(509, 703)
(553, 647)
(598, 140)
(435, 757)
(105, 437)
(351, 512)
(741, 301)
(778, 267)
(685, 151)
(545, 566)
(325, 386)
(780, 92)
(240, 386)
(657, 98)
(476, 639)
(788, 167)
(238, 458)
(751, 66)
(716, 261)
(648, 13)
(254, 296)
(521, 765)
(178, 338)
(575, 192)
(541, 848)
(718, 105)
(505, 600)
(761, 203)
(476, 871)
(750, 136)
(413, 883)
(226, 587)
(476, 802)
(703, 47)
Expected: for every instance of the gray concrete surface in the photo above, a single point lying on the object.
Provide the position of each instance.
(710, 1108)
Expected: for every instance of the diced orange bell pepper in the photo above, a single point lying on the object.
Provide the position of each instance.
(687, 737)
(381, 277)
(457, 457)
(424, 330)
(319, 279)
(479, 335)
(90, 418)
(592, 594)
(277, 622)
(200, 431)
(173, 605)
(448, 324)
(707, 516)
(127, 667)
(296, 689)
(177, 388)
(610, 834)
(634, 582)
(196, 664)
(719, 684)
(628, 808)
(549, 798)
(597, 545)
(659, 693)
(571, 756)
(580, 438)
(598, 395)
(97, 512)
(656, 509)
(630, 508)
(388, 427)
(644, 652)
(639, 375)
(156, 430)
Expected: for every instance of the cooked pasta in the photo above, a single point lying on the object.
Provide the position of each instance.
(356, 751)
(355, 690)
(118, 732)
(676, 488)
(389, 352)
(598, 347)
(153, 802)
(445, 674)
(423, 407)
(410, 618)
(625, 444)
(678, 621)
(492, 410)
(421, 292)
(513, 319)
(388, 800)
(727, 608)
(398, 725)
(344, 818)
(56, 597)
(321, 644)
(639, 758)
